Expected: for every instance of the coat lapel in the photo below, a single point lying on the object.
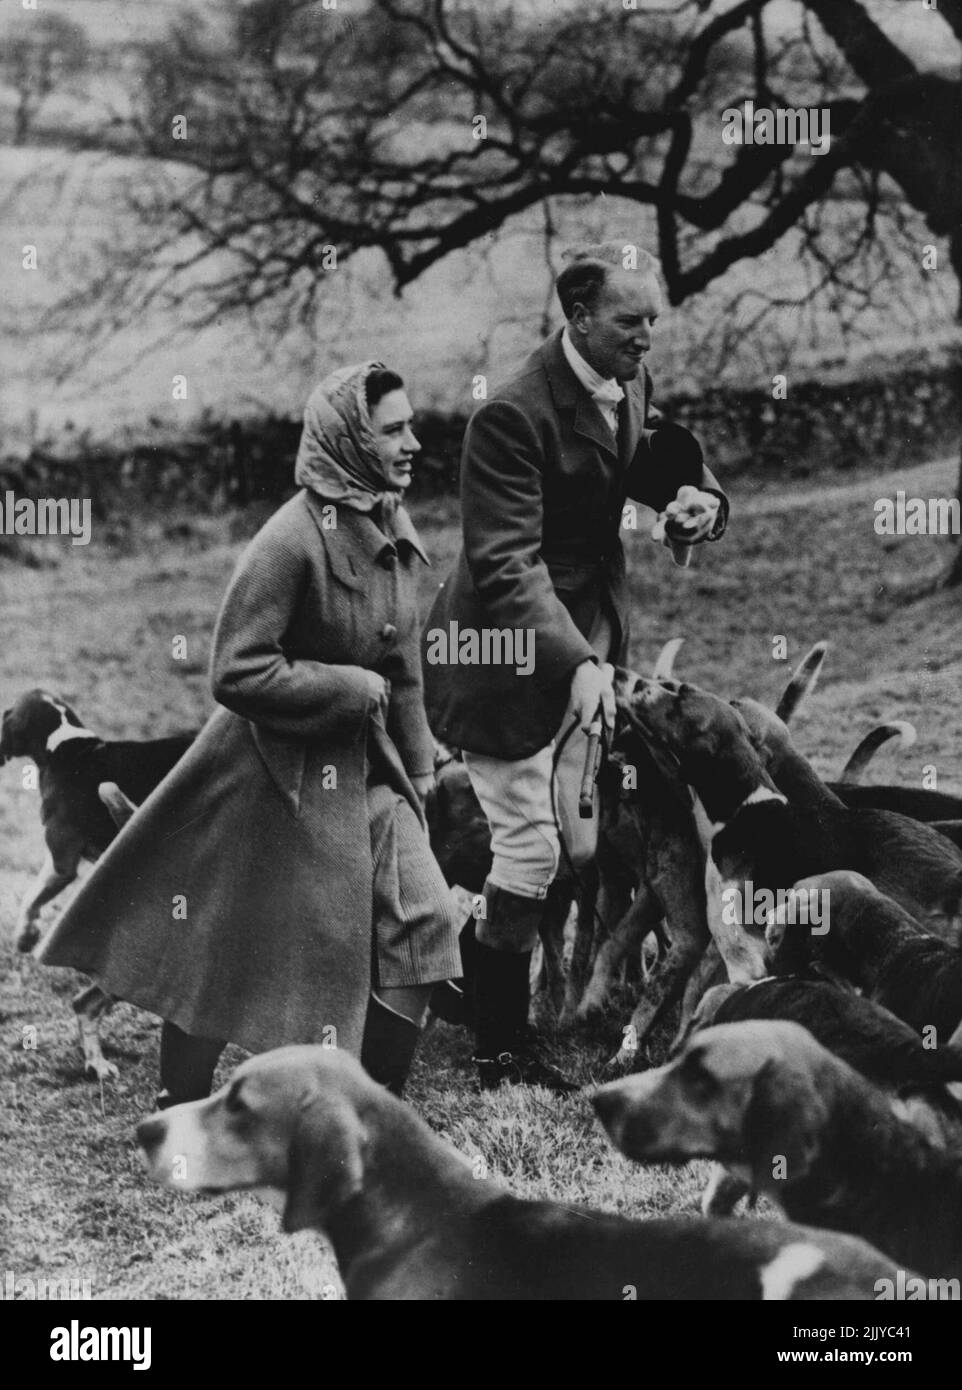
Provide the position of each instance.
(590, 424)
(357, 542)
(631, 419)
(569, 394)
(405, 534)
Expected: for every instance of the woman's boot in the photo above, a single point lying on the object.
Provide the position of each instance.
(187, 1065)
(388, 1046)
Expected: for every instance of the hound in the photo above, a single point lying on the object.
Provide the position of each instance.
(796, 778)
(921, 803)
(659, 831)
(409, 1220)
(72, 762)
(647, 846)
(951, 829)
(922, 1083)
(758, 838)
(78, 821)
(861, 1032)
(804, 1128)
(878, 947)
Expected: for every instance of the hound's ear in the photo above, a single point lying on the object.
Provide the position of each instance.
(790, 947)
(665, 763)
(783, 1125)
(325, 1162)
(702, 1015)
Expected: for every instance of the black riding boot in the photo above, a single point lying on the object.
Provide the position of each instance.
(187, 1065)
(388, 1046)
(504, 1049)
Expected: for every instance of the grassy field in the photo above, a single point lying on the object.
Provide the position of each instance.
(96, 626)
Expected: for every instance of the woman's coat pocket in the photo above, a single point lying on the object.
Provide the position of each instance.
(285, 760)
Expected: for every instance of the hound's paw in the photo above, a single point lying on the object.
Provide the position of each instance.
(626, 1060)
(621, 1063)
(27, 938)
(722, 1193)
(573, 1016)
(99, 1069)
(590, 1007)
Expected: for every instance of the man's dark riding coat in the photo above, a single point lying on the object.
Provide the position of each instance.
(543, 488)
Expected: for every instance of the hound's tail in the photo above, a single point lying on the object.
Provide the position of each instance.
(802, 682)
(874, 740)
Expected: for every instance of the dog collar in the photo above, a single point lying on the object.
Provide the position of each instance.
(752, 799)
(759, 794)
(64, 734)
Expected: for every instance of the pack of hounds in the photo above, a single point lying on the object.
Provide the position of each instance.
(819, 1065)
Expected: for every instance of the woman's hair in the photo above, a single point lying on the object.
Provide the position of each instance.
(381, 381)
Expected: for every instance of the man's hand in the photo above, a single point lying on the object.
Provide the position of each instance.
(689, 518)
(590, 686)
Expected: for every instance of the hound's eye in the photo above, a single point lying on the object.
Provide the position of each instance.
(699, 1082)
(234, 1105)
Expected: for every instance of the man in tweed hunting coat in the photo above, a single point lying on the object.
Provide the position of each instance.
(547, 464)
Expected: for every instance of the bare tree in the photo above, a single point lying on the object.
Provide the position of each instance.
(288, 138)
(37, 58)
(420, 127)
(423, 125)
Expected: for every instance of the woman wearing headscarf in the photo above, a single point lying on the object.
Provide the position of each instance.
(278, 886)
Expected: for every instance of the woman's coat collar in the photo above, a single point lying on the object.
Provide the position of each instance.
(356, 540)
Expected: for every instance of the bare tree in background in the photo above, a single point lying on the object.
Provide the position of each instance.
(418, 127)
(310, 129)
(39, 55)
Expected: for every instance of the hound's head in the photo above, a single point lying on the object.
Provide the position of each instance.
(292, 1120)
(769, 735)
(29, 722)
(814, 922)
(708, 738)
(689, 721)
(749, 1094)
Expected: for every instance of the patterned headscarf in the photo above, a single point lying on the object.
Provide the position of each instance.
(337, 457)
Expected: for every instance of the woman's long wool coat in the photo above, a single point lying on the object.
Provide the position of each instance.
(237, 902)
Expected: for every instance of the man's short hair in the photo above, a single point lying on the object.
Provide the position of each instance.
(587, 267)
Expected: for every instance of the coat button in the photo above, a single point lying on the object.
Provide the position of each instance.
(389, 559)
(388, 632)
